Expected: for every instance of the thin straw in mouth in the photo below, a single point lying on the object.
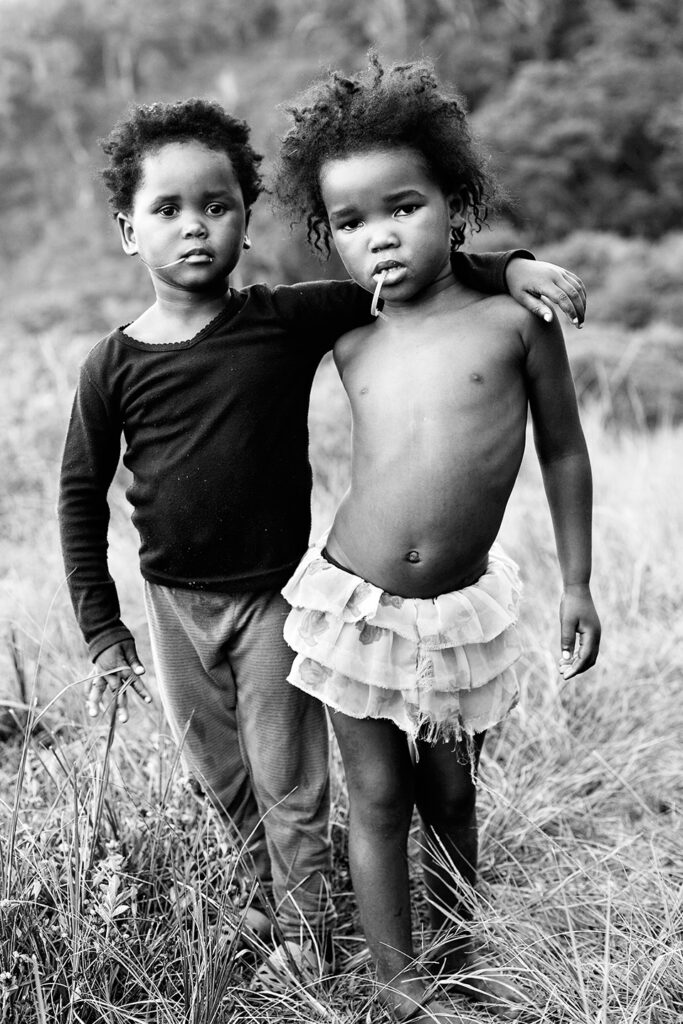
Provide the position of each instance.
(375, 298)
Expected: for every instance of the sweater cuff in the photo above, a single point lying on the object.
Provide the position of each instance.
(104, 640)
(485, 272)
(511, 254)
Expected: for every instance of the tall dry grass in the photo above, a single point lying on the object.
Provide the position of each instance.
(121, 896)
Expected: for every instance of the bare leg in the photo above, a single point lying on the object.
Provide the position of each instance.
(446, 799)
(379, 776)
(445, 794)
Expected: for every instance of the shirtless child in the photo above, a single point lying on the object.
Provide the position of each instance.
(404, 616)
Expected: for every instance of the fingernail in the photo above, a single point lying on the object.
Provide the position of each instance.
(566, 655)
(575, 320)
(547, 317)
(139, 670)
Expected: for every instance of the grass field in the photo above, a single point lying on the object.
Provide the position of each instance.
(120, 896)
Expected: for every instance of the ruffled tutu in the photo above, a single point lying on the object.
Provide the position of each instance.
(436, 667)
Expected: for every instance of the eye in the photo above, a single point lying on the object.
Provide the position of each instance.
(405, 210)
(167, 210)
(349, 225)
(216, 209)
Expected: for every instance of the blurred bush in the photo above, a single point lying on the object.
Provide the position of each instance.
(630, 281)
(634, 377)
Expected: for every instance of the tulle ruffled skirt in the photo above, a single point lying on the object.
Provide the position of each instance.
(436, 667)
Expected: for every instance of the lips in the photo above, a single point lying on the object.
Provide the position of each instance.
(198, 252)
(386, 265)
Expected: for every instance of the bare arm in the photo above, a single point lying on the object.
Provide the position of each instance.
(565, 466)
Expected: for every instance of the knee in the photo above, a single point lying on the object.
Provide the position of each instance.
(384, 811)
(452, 810)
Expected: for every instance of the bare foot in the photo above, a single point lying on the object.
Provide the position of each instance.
(258, 923)
(433, 1012)
(292, 965)
(251, 931)
(414, 1004)
(476, 978)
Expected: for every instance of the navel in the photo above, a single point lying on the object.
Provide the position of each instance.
(364, 390)
(413, 556)
(476, 377)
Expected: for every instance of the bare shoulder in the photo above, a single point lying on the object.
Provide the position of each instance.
(502, 310)
(501, 317)
(346, 346)
(532, 330)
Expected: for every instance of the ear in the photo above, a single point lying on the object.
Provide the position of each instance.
(246, 244)
(126, 233)
(456, 205)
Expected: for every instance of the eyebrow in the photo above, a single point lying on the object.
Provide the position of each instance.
(171, 197)
(405, 193)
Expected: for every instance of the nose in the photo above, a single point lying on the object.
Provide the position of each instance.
(383, 236)
(194, 226)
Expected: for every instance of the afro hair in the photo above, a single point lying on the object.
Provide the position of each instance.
(149, 127)
(381, 107)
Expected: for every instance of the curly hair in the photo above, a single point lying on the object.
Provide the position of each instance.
(381, 107)
(149, 127)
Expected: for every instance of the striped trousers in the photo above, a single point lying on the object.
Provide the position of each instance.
(257, 745)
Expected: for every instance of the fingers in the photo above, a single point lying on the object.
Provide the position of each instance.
(122, 704)
(536, 285)
(136, 684)
(569, 655)
(120, 670)
(95, 693)
(570, 295)
(536, 305)
(589, 646)
(577, 659)
(132, 678)
(541, 305)
(117, 682)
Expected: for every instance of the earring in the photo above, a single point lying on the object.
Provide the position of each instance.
(457, 236)
(246, 244)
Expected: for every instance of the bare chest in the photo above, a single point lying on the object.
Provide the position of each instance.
(434, 378)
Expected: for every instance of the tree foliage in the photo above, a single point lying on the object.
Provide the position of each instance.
(596, 141)
(581, 102)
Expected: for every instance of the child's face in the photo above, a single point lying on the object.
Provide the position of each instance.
(386, 212)
(188, 208)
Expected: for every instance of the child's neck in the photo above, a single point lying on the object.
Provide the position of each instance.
(445, 293)
(177, 317)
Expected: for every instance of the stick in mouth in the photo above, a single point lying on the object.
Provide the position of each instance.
(173, 263)
(375, 298)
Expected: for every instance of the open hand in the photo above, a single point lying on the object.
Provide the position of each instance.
(121, 668)
(580, 630)
(535, 285)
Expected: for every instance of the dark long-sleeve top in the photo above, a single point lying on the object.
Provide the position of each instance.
(216, 438)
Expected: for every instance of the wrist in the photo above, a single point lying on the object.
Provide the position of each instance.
(576, 587)
(509, 258)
